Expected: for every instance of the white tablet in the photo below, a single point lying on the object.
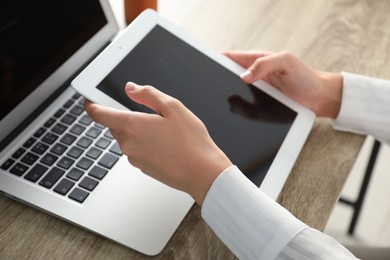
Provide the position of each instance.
(260, 130)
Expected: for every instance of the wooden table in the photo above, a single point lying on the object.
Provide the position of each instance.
(329, 35)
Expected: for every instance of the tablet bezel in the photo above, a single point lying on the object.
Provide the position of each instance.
(85, 84)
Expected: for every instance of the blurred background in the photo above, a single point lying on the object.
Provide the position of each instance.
(373, 226)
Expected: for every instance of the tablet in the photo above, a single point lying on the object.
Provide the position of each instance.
(259, 129)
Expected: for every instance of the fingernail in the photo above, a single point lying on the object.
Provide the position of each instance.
(247, 75)
(130, 86)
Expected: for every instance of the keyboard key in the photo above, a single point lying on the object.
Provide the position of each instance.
(50, 138)
(51, 177)
(64, 186)
(49, 122)
(86, 120)
(103, 143)
(98, 172)
(84, 163)
(30, 158)
(36, 172)
(94, 153)
(76, 96)
(99, 126)
(65, 162)
(59, 113)
(59, 128)
(29, 142)
(84, 142)
(19, 169)
(68, 139)
(81, 102)
(49, 159)
(78, 195)
(40, 148)
(39, 132)
(18, 153)
(108, 134)
(77, 110)
(108, 160)
(93, 132)
(58, 149)
(77, 129)
(7, 164)
(75, 174)
(68, 103)
(75, 152)
(116, 149)
(68, 119)
(88, 183)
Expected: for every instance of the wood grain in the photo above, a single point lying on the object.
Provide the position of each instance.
(330, 35)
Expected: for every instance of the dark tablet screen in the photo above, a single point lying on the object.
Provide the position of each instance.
(247, 124)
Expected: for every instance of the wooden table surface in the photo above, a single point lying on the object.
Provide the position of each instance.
(332, 35)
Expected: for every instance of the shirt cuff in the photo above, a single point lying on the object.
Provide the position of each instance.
(364, 108)
(251, 224)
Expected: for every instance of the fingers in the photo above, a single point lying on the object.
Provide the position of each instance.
(263, 66)
(151, 97)
(109, 117)
(245, 58)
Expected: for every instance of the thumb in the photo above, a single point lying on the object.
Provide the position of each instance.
(263, 66)
(148, 96)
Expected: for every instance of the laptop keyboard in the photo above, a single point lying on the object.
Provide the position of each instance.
(61, 154)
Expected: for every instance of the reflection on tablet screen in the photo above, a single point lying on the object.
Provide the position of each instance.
(247, 124)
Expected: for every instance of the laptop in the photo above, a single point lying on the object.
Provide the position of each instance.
(55, 158)
(52, 156)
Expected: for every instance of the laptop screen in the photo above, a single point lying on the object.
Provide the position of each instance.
(36, 38)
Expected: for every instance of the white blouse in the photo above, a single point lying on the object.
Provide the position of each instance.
(256, 227)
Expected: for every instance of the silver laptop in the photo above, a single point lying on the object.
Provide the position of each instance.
(52, 156)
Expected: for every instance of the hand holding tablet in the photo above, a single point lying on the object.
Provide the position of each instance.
(154, 52)
(160, 137)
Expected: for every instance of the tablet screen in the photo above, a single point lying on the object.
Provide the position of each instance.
(247, 124)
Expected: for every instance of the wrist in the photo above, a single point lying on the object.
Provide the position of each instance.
(208, 174)
(331, 89)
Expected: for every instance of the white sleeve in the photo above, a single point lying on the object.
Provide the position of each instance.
(255, 227)
(365, 107)
(313, 244)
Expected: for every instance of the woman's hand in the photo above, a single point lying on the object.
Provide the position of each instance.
(172, 146)
(317, 90)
